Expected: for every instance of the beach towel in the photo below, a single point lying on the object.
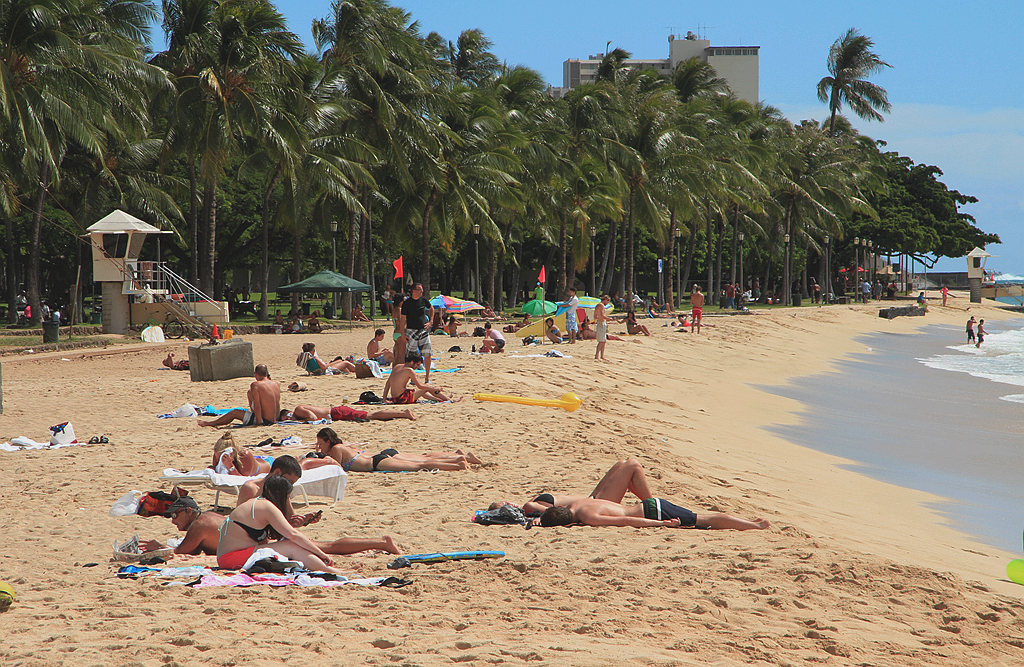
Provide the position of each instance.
(299, 579)
(21, 443)
(549, 353)
(432, 370)
(501, 516)
(189, 410)
(409, 559)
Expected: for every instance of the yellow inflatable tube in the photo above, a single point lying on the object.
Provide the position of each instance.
(569, 402)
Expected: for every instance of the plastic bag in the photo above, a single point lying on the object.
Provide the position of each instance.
(62, 434)
(126, 504)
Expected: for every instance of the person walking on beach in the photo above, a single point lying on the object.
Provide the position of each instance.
(970, 330)
(945, 294)
(417, 313)
(981, 333)
(601, 321)
(697, 306)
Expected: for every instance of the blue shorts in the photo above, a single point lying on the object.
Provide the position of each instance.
(656, 508)
(570, 321)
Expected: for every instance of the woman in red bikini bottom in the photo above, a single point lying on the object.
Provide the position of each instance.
(251, 524)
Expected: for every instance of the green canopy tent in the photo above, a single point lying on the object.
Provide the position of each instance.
(325, 281)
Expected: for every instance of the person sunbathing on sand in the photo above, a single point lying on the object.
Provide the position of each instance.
(342, 413)
(375, 352)
(633, 327)
(586, 333)
(328, 444)
(648, 513)
(288, 467)
(309, 361)
(627, 475)
(396, 389)
(180, 365)
(264, 398)
(230, 458)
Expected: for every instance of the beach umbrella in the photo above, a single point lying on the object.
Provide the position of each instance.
(536, 307)
(453, 305)
(590, 302)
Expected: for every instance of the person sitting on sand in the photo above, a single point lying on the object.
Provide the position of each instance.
(374, 352)
(627, 475)
(250, 526)
(202, 534)
(488, 313)
(180, 365)
(493, 340)
(328, 444)
(230, 458)
(264, 398)
(551, 331)
(295, 325)
(310, 361)
(313, 323)
(452, 327)
(358, 315)
(586, 333)
(649, 513)
(633, 327)
(342, 413)
(396, 389)
(279, 318)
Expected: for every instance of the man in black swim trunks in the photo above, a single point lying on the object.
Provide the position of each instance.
(649, 513)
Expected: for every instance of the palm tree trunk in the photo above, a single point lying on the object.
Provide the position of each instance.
(264, 280)
(193, 221)
(672, 268)
(206, 278)
(735, 244)
(786, 277)
(562, 252)
(370, 258)
(425, 242)
(691, 250)
(628, 256)
(351, 258)
(720, 227)
(296, 264)
(710, 287)
(516, 273)
(34, 258)
(608, 260)
(620, 282)
(12, 287)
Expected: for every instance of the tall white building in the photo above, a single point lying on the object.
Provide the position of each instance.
(736, 64)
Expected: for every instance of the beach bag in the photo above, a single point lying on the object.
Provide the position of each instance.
(62, 434)
(155, 503)
(370, 397)
(127, 504)
(479, 332)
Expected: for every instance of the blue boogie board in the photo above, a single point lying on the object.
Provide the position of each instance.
(409, 559)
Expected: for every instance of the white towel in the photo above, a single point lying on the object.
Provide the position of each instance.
(325, 481)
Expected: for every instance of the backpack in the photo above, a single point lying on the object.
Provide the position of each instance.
(155, 503)
(370, 397)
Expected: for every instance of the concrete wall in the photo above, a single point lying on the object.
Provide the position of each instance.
(115, 308)
(156, 313)
(741, 72)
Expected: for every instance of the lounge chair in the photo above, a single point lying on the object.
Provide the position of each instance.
(325, 481)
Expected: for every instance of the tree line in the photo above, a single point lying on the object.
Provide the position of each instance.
(388, 142)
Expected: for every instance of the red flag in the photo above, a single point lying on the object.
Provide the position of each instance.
(542, 278)
(398, 268)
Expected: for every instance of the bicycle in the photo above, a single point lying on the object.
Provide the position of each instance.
(173, 327)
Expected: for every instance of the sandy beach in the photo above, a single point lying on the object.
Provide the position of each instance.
(852, 570)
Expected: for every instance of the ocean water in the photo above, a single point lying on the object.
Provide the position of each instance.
(926, 411)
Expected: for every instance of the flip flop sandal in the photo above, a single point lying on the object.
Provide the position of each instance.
(264, 443)
(94, 440)
(104, 440)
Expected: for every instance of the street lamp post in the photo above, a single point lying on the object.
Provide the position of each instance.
(476, 243)
(864, 247)
(856, 268)
(828, 269)
(786, 296)
(593, 263)
(742, 285)
(334, 263)
(679, 270)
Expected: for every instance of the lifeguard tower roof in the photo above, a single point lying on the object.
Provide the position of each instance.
(119, 221)
(978, 252)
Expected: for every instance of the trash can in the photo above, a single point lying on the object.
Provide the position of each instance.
(51, 330)
(797, 299)
(96, 317)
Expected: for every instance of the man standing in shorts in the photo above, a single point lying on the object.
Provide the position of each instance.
(697, 306)
(601, 320)
(417, 313)
(970, 330)
(571, 325)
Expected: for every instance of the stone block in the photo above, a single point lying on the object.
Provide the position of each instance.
(905, 311)
(223, 361)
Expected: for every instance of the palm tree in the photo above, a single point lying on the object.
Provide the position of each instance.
(850, 62)
(611, 64)
(694, 77)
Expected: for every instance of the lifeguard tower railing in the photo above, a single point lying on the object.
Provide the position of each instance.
(157, 282)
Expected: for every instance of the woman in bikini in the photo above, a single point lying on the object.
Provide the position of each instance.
(633, 327)
(328, 444)
(251, 525)
(311, 362)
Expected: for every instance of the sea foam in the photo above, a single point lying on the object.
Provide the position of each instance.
(999, 359)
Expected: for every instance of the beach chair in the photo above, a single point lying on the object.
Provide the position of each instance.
(325, 482)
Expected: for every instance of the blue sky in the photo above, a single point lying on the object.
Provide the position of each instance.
(956, 84)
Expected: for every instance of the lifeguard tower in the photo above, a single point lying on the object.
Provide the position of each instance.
(976, 272)
(157, 291)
